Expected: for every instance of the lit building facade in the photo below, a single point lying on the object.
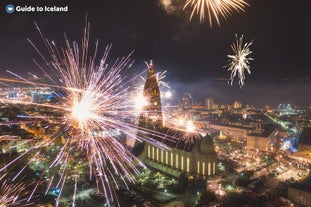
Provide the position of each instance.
(263, 139)
(232, 131)
(300, 193)
(197, 159)
(237, 105)
(209, 103)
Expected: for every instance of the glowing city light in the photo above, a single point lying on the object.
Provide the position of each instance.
(190, 127)
(168, 94)
(140, 102)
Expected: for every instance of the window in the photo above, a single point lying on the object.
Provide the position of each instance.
(177, 161)
(148, 151)
(182, 162)
(172, 159)
(203, 168)
(166, 157)
(198, 170)
(153, 153)
(209, 168)
(188, 170)
(157, 154)
(214, 168)
(162, 156)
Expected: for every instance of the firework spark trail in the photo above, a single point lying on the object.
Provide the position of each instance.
(49, 185)
(75, 191)
(28, 163)
(3, 100)
(35, 188)
(187, 126)
(215, 8)
(26, 81)
(60, 193)
(22, 80)
(239, 61)
(160, 79)
(18, 174)
(14, 160)
(11, 194)
(160, 76)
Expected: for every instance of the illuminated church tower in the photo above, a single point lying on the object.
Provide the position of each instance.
(152, 111)
(151, 114)
(196, 159)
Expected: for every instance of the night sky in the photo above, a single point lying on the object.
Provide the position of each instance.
(193, 53)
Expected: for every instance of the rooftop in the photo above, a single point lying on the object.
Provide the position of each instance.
(305, 186)
(180, 140)
(266, 131)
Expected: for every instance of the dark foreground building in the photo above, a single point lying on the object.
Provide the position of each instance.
(300, 193)
(304, 143)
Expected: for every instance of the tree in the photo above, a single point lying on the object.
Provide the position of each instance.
(183, 180)
(243, 178)
(207, 197)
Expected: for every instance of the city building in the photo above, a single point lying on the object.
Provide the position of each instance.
(237, 105)
(186, 102)
(168, 150)
(9, 144)
(152, 111)
(196, 159)
(263, 139)
(285, 106)
(209, 103)
(236, 132)
(304, 144)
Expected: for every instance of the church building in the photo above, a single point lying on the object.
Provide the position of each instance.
(168, 152)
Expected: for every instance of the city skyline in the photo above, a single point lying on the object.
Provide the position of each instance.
(155, 103)
(193, 53)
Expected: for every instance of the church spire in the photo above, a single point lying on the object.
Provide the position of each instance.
(152, 112)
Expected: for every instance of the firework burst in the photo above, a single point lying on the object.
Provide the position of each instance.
(215, 8)
(185, 125)
(191, 133)
(239, 61)
(94, 106)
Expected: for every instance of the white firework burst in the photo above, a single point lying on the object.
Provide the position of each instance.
(239, 61)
